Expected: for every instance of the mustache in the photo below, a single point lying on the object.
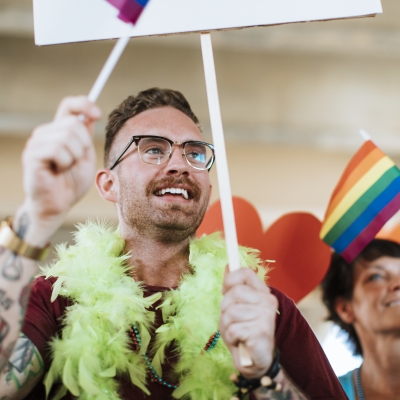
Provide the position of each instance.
(194, 188)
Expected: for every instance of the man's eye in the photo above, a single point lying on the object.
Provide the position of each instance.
(154, 150)
(197, 156)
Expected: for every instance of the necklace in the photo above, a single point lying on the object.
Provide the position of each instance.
(154, 377)
(360, 392)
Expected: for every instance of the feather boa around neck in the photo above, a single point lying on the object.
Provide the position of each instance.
(95, 347)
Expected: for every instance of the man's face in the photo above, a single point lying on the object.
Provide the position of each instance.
(167, 217)
(376, 296)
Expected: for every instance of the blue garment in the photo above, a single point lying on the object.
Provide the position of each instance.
(347, 382)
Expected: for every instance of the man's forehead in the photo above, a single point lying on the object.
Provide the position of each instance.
(163, 121)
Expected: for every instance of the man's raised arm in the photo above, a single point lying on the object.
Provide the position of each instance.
(59, 165)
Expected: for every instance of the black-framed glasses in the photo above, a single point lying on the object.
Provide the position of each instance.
(157, 150)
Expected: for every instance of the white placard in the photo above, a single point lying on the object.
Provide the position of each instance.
(65, 21)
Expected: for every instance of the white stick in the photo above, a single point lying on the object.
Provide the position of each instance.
(224, 185)
(364, 135)
(109, 66)
(220, 154)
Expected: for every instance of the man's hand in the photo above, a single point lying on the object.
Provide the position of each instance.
(248, 317)
(59, 163)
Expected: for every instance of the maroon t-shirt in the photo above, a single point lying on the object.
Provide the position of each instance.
(301, 355)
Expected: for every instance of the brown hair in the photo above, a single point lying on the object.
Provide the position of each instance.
(145, 100)
(339, 283)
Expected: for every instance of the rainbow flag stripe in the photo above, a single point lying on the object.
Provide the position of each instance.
(366, 197)
(129, 10)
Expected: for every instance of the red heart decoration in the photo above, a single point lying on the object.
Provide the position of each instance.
(301, 257)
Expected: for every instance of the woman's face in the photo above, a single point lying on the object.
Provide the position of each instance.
(375, 305)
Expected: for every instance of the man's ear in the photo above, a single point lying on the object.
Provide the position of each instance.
(344, 309)
(106, 184)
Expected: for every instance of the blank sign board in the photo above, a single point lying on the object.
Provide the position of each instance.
(66, 21)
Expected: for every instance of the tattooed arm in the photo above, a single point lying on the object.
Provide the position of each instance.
(23, 371)
(59, 164)
(16, 273)
(289, 390)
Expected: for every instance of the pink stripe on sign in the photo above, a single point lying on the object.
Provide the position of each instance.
(130, 12)
(369, 232)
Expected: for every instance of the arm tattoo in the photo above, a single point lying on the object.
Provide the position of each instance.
(5, 302)
(25, 363)
(4, 352)
(23, 353)
(12, 268)
(4, 329)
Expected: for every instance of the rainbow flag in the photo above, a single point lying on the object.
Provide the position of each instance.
(129, 10)
(367, 195)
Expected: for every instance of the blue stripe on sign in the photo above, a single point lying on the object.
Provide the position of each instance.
(142, 2)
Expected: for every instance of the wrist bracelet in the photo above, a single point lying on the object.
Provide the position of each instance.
(11, 241)
(246, 386)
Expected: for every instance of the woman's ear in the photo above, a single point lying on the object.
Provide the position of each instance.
(344, 309)
(106, 185)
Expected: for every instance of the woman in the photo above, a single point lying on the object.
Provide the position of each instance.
(363, 298)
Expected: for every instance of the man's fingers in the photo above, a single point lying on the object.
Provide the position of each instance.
(239, 312)
(60, 154)
(241, 293)
(69, 132)
(243, 276)
(238, 332)
(78, 105)
(57, 157)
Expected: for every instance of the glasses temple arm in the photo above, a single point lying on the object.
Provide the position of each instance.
(123, 152)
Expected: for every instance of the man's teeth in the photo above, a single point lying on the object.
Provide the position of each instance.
(394, 303)
(180, 191)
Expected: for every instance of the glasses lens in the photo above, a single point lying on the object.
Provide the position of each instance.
(198, 155)
(154, 150)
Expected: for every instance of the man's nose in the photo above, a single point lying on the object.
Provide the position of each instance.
(177, 164)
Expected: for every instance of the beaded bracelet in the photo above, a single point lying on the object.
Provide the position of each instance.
(246, 386)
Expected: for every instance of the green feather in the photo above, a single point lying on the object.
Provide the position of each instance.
(85, 379)
(109, 372)
(69, 379)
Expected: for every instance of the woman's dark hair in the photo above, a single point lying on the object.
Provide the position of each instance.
(339, 282)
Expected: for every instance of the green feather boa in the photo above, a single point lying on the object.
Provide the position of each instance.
(95, 347)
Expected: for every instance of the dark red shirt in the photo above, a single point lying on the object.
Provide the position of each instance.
(301, 354)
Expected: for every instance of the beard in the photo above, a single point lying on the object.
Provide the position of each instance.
(170, 223)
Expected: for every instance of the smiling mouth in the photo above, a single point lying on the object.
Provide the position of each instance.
(175, 191)
(393, 303)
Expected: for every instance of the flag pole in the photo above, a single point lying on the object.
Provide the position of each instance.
(365, 135)
(228, 216)
(109, 65)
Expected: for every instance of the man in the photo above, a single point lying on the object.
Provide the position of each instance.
(156, 174)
